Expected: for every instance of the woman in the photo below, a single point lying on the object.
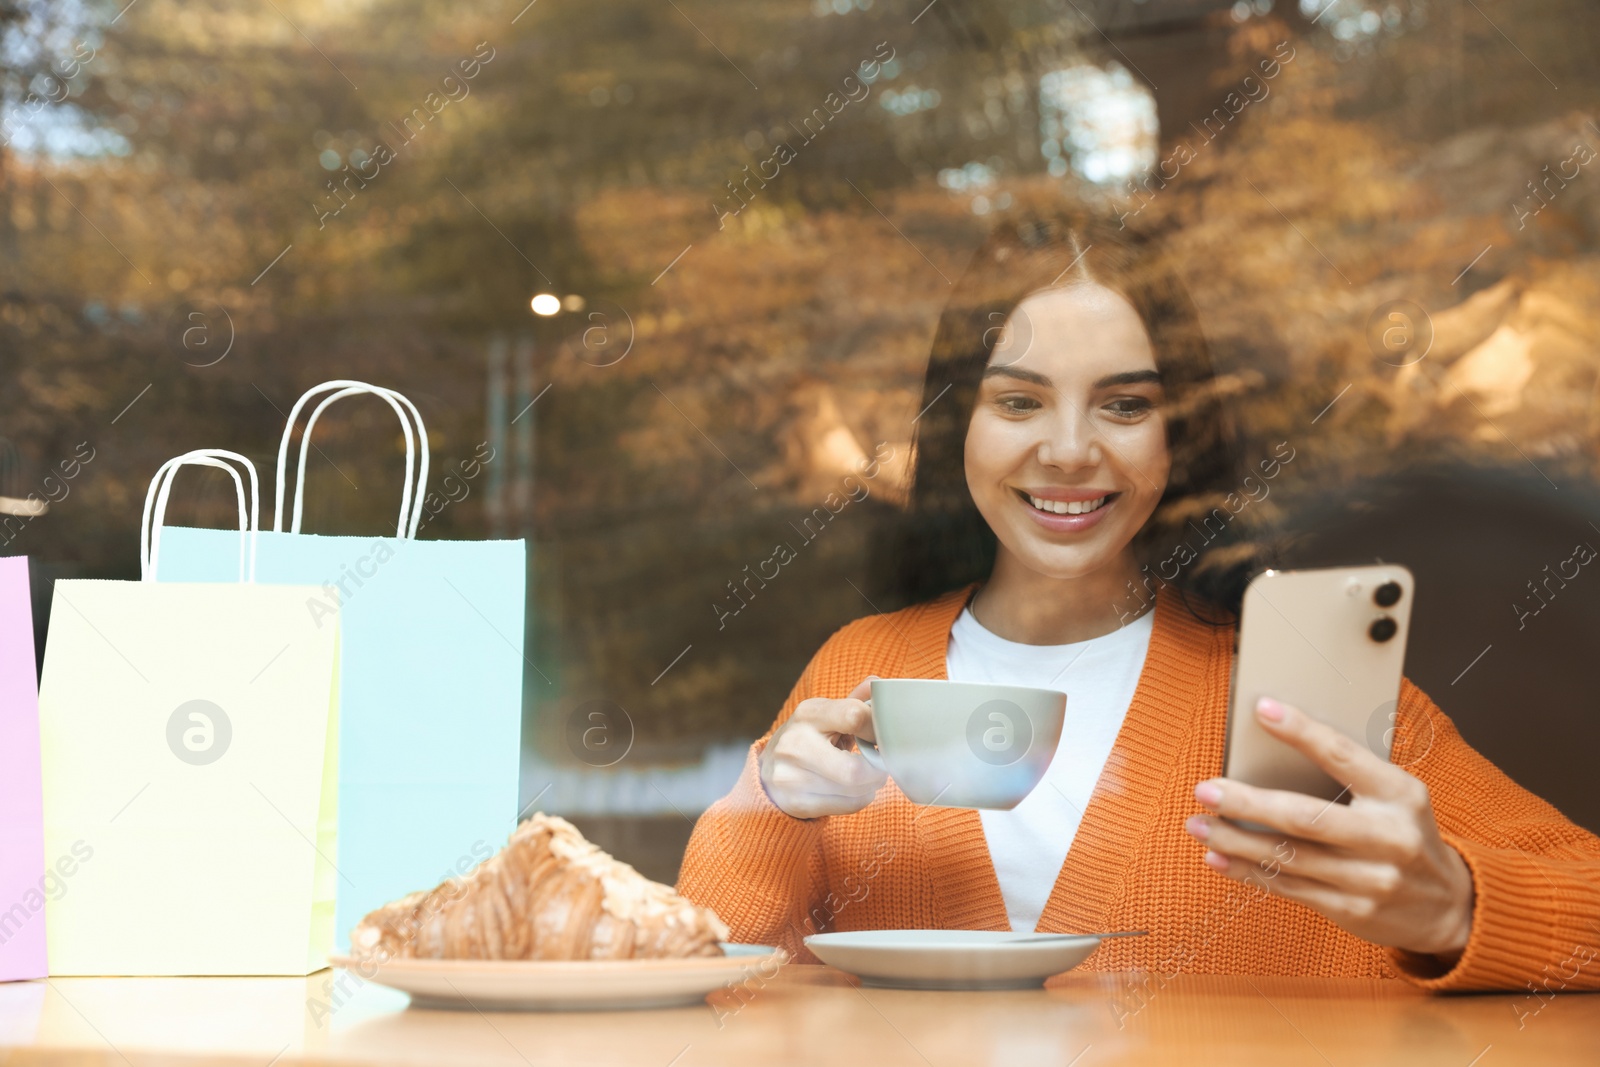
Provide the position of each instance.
(1070, 426)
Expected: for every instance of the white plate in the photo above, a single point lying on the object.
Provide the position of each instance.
(951, 959)
(566, 985)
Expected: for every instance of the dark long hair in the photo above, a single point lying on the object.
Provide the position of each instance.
(943, 542)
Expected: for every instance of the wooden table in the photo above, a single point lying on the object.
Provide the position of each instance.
(806, 1015)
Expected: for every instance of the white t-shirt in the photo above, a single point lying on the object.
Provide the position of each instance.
(1029, 843)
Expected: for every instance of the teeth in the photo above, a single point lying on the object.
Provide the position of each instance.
(1067, 507)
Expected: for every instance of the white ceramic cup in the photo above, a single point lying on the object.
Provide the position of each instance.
(963, 744)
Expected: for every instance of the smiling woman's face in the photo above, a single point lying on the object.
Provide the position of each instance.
(1066, 454)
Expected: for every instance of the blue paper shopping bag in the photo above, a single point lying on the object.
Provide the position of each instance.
(431, 673)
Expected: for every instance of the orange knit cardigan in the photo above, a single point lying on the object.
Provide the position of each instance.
(774, 878)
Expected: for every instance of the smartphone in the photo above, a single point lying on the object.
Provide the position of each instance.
(1331, 642)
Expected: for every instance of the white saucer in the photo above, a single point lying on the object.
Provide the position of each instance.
(567, 985)
(951, 959)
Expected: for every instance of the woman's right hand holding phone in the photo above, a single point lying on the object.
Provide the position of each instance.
(808, 767)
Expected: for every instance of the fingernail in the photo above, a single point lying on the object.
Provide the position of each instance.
(1198, 827)
(1216, 861)
(1208, 793)
(1269, 709)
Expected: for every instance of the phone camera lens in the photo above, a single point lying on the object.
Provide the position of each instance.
(1383, 629)
(1387, 595)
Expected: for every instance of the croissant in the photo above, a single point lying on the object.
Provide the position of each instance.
(548, 895)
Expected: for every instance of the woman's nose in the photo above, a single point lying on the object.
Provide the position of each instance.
(1070, 441)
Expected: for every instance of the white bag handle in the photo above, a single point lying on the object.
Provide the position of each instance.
(155, 508)
(391, 398)
(410, 499)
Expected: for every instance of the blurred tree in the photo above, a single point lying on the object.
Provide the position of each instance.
(323, 191)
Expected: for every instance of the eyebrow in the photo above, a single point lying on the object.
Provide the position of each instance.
(1132, 377)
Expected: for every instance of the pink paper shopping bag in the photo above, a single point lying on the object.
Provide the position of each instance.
(24, 883)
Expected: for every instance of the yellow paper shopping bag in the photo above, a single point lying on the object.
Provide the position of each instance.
(188, 735)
